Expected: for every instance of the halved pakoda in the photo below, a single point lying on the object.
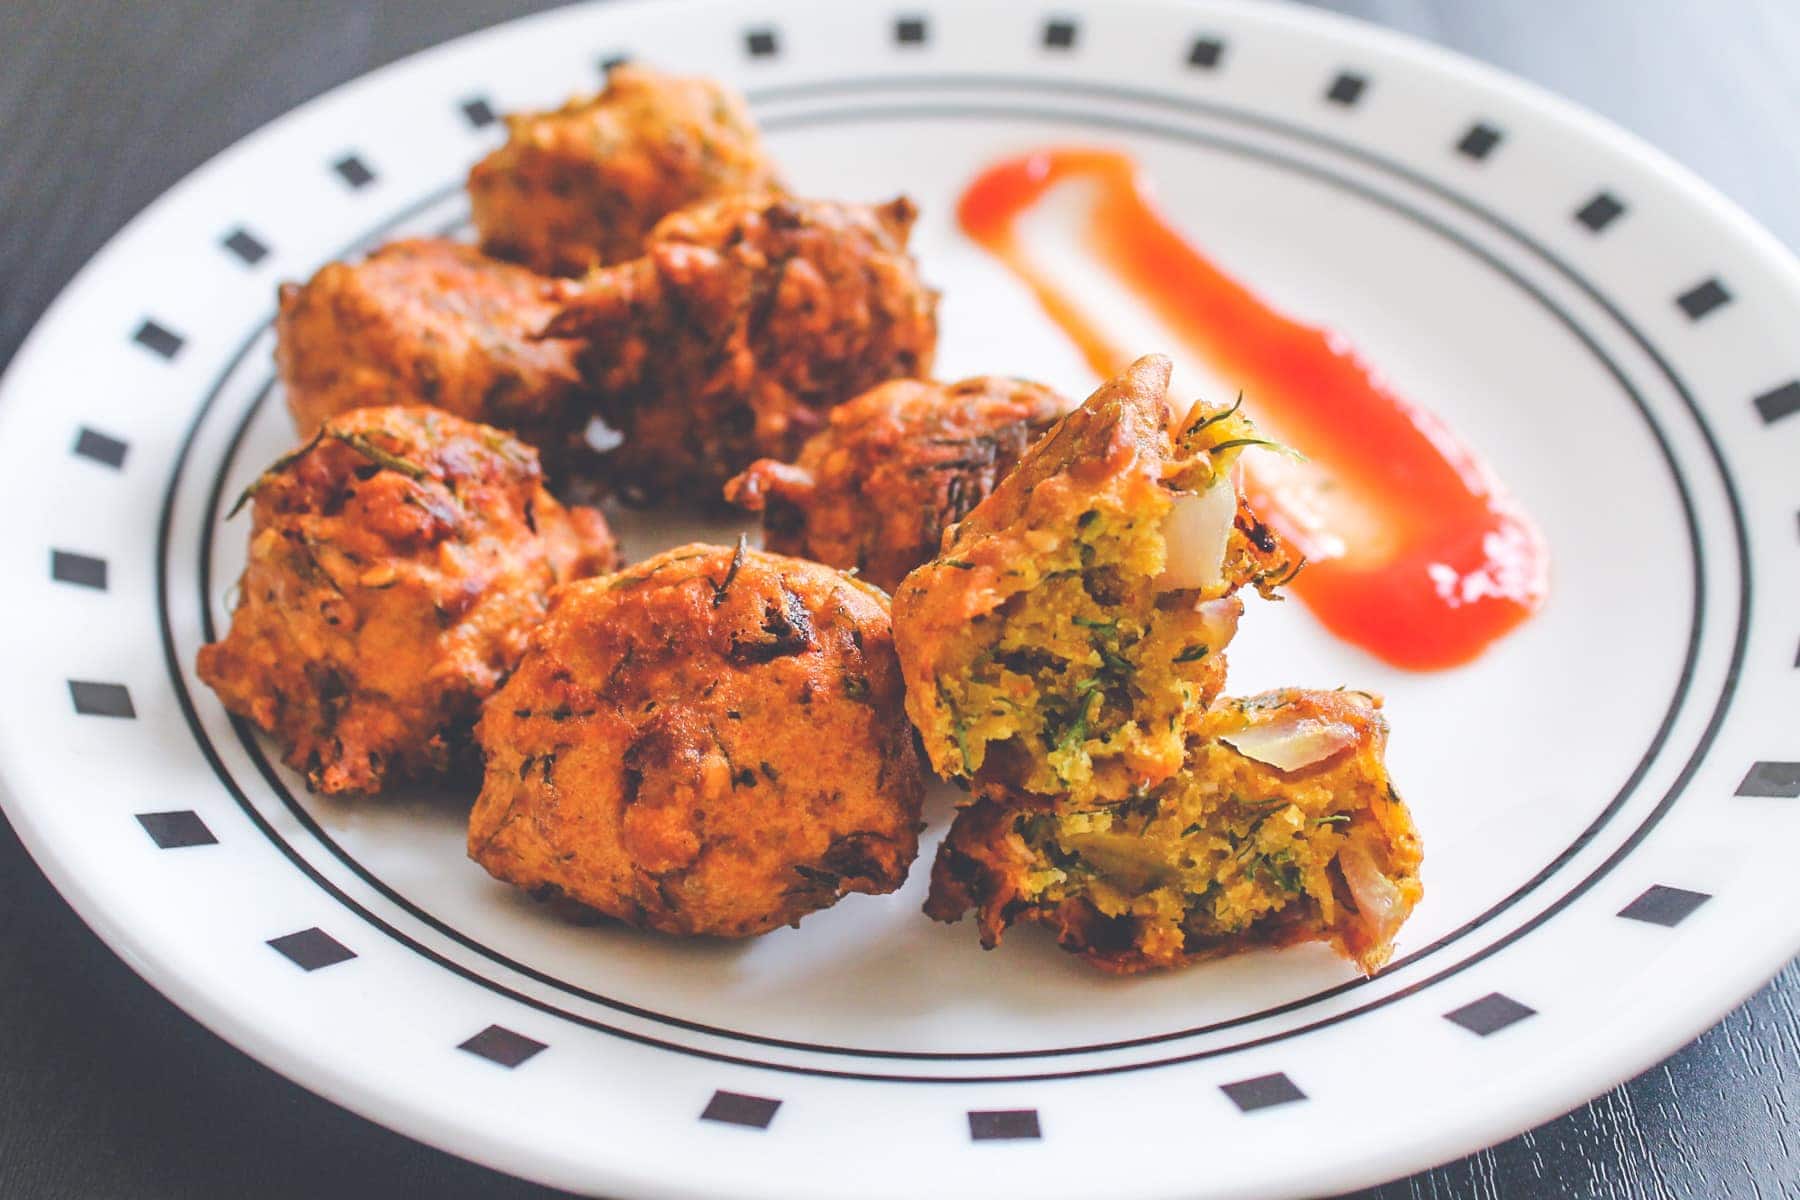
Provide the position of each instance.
(581, 186)
(893, 468)
(398, 561)
(745, 323)
(1072, 632)
(1281, 827)
(710, 742)
(430, 321)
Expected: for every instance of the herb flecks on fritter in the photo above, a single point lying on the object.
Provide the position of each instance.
(429, 321)
(581, 186)
(398, 560)
(747, 320)
(1072, 631)
(893, 468)
(1282, 827)
(709, 742)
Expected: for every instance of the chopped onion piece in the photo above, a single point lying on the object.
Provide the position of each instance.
(1378, 901)
(601, 437)
(1195, 533)
(1289, 745)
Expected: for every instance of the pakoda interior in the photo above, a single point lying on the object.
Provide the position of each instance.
(398, 561)
(710, 742)
(429, 321)
(1073, 630)
(893, 468)
(746, 321)
(1281, 827)
(581, 186)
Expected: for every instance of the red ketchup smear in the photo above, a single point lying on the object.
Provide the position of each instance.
(1415, 551)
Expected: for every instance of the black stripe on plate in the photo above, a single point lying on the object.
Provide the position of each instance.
(101, 699)
(82, 570)
(501, 1045)
(1004, 1125)
(735, 1108)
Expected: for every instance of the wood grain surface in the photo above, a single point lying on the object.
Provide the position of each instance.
(108, 1090)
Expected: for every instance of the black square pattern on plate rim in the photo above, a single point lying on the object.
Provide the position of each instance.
(762, 43)
(1779, 402)
(1262, 1091)
(1205, 53)
(1779, 780)
(176, 830)
(1666, 906)
(612, 61)
(95, 699)
(1601, 211)
(1703, 298)
(736, 1108)
(1490, 1014)
(354, 171)
(1060, 34)
(159, 339)
(311, 949)
(501, 1045)
(103, 449)
(911, 31)
(1347, 88)
(1479, 141)
(1004, 1125)
(245, 246)
(477, 112)
(81, 570)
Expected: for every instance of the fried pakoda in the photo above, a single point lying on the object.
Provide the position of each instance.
(710, 742)
(581, 187)
(894, 468)
(429, 322)
(745, 323)
(1073, 631)
(1282, 827)
(398, 561)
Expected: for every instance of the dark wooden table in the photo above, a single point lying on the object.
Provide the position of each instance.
(106, 1089)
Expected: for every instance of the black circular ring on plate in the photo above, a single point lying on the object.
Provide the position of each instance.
(299, 811)
(253, 747)
(892, 111)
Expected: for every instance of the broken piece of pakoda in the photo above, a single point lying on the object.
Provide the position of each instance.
(1073, 630)
(893, 469)
(710, 742)
(581, 186)
(398, 560)
(429, 321)
(1281, 827)
(745, 323)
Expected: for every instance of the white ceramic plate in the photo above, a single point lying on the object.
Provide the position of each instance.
(1608, 798)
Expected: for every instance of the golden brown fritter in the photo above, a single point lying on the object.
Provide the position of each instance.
(893, 468)
(745, 323)
(429, 322)
(710, 742)
(1282, 827)
(1073, 629)
(582, 186)
(398, 560)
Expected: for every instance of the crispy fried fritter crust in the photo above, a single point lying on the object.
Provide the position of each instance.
(1231, 854)
(582, 186)
(893, 468)
(747, 320)
(398, 560)
(711, 742)
(1056, 648)
(429, 322)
